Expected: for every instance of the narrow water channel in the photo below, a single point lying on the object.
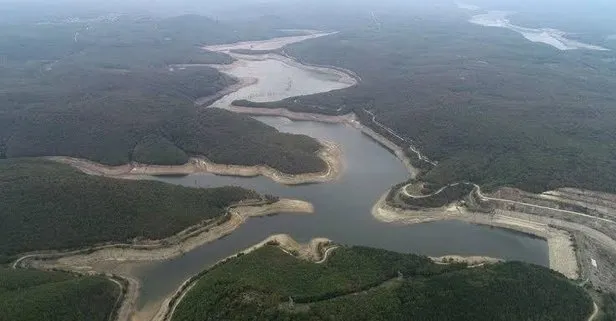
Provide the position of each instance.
(342, 207)
(342, 214)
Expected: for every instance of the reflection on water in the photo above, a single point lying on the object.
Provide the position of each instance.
(342, 214)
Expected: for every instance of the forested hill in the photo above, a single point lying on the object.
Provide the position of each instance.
(488, 105)
(28, 295)
(46, 205)
(369, 284)
(111, 92)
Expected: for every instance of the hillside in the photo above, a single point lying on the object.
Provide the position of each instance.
(54, 296)
(112, 92)
(486, 104)
(369, 284)
(52, 206)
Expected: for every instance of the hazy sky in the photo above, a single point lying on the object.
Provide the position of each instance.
(575, 11)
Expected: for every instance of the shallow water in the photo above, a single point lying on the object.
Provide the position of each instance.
(277, 80)
(342, 207)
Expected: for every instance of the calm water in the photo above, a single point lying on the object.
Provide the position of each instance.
(342, 214)
(342, 207)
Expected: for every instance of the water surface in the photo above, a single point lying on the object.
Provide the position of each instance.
(342, 214)
(342, 207)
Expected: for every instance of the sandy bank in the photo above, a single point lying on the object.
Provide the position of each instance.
(330, 154)
(171, 247)
(241, 83)
(269, 44)
(346, 77)
(348, 119)
(470, 260)
(315, 251)
(561, 250)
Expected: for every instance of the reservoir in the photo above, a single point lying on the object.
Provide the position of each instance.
(342, 207)
(342, 213)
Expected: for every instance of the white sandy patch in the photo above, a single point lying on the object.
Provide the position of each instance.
(549, 36)
(270, 44)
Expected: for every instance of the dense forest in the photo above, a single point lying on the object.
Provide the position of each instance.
(46, 205)
(28, 295)
(486, 104)
(368, 284)
(114, 93)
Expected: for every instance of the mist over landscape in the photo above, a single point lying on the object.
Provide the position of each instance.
(307, 160)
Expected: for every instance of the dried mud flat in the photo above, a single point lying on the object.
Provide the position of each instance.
(330, 154)
(270, 44)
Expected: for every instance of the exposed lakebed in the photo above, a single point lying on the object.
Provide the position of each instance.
(553, 37)
(342, 207)
(342, 213)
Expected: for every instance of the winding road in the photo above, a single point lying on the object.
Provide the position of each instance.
(326, 254)
(486, 198)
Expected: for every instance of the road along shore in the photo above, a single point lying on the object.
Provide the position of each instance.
(561, 249)
(330, 153)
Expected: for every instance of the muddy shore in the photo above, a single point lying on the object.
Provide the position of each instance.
(174, 246)
(330, 154)
(102, 259)
(470, 260)
(562, 255)
(348, 119)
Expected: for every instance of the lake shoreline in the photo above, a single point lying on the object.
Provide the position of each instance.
(330, 153)
(315, 251)
(350, 119)
(172, 246)
(85, 261)
(562, 255)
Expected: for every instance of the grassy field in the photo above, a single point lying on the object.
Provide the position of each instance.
(369, 284)
(53, 206)
(54, 296)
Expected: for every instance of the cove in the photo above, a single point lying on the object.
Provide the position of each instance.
(342, 214)
(342, 207)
